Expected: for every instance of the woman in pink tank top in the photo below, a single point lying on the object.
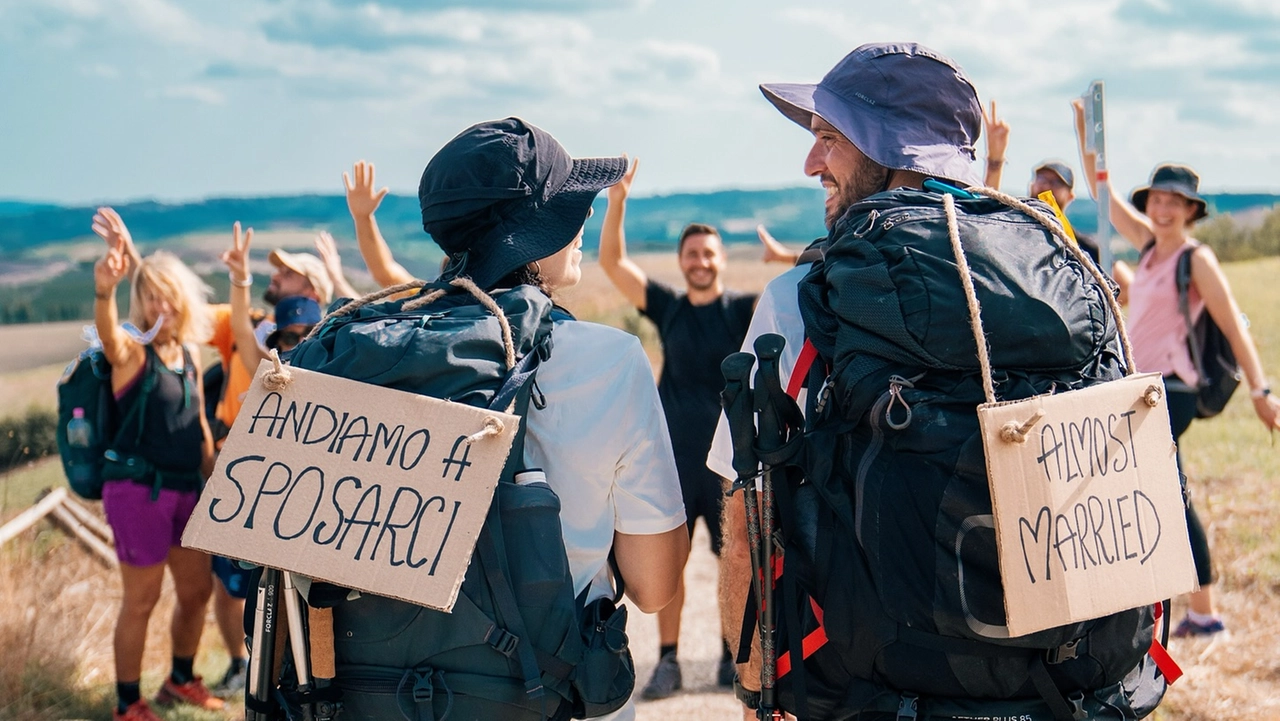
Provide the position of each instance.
(1157, 220)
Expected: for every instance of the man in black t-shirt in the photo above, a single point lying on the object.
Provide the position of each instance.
(699, 326)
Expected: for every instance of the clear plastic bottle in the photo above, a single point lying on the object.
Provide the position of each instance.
(79, 432)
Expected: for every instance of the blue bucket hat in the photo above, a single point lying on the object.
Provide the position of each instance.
(903, 105)
(505, 193)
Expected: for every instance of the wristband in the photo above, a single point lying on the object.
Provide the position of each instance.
(102, 296)
(995, 162)
(248, 281)
(1262, 392)
(750, 699)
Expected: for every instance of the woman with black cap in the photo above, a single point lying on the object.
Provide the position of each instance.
(1158, 219)
(507, 204)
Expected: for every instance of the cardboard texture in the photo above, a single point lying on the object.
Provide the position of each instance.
(1088, 510)
(365, 487)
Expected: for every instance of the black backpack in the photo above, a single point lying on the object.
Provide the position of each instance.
(518, 643)
(1220, 374)
(86, 386)
(891, 592)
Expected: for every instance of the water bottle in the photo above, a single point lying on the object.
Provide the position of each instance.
(79, 432)
(531, 476)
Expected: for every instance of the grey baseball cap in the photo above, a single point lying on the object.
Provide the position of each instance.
(903, 105)
(1058, 168)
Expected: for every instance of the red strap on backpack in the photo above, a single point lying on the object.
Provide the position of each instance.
(818, 637)
(1172, 672)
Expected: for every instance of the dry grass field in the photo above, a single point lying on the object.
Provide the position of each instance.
(57, 604)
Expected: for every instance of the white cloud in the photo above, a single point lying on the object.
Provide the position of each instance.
(198, 93)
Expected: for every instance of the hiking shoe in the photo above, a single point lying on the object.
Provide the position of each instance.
(137, 711)
(232, 682)
(1188, 628)
(665, 681)
(725, 673)
(192, 692)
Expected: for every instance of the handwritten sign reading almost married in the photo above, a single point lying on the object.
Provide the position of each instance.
(1088, 510)
(366, 487)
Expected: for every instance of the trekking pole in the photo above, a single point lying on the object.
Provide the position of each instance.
(739, 409)
(770, 436)
(1095, 139)
(298, 643)
(258, 696)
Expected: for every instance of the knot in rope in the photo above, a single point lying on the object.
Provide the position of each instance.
(492, 427)
(1011, 432)
(1152, 395)
(279, 377)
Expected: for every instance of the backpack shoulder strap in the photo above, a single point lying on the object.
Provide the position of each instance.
(139, 406)
(1183, 278)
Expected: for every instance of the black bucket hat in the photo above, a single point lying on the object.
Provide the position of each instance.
(505, 193)
(1177, 179)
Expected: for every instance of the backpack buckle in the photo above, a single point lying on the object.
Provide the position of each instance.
(908, 707)
(1076, 699)
(423, 688)
(1066, 652)
(502, 640)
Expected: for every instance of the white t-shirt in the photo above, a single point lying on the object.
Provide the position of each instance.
(602, 441)
(778, 311)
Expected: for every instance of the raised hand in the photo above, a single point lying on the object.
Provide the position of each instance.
(619, 191)
(774, 252)
(327, 247)
(362, 199)
(109, 226)
(237, 256)
(997, 131)
(109, 270)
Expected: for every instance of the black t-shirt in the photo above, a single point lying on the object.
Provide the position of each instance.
(695, 339)
(1089, 244)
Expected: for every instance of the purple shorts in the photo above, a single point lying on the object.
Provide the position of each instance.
(145, 529)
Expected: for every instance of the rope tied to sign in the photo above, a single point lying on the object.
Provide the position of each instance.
(1011, 432)
(1153, 395)
(279, 377)
(492, 427)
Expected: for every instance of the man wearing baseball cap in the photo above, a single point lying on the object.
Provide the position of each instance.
(298, 274)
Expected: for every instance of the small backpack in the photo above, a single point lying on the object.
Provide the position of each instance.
(518, 643)
(890, 597)
(86, 386)
(1220, 374)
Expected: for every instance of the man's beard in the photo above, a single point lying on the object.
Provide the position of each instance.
(271, 296)
(869, 179)
(708, 285)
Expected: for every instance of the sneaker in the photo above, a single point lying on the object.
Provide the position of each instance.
(232, 682)
(1187, 628)
(192, 692)
(665, 681)
(725, 673)
(137, 711)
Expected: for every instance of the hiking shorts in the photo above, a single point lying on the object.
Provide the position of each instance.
(703, 493)
(145, 529)
(233, 578)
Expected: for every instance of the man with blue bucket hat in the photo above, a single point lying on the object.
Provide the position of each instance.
(894, 127)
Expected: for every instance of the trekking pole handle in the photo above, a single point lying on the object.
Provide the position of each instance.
(768, 350)
(261, 661)
(736, 399)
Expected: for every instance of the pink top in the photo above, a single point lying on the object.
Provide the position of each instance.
(1156, 326)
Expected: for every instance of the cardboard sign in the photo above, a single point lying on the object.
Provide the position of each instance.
(365, 487)
(1088, 508)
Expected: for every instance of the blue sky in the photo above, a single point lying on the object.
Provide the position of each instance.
(179, 99)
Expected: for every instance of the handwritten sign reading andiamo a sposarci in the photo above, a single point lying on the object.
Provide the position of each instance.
(1088, 510)
(365, 487)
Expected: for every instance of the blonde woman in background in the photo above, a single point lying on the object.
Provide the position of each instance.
(158, 465)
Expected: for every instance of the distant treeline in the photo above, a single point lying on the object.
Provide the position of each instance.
(1232, 241)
